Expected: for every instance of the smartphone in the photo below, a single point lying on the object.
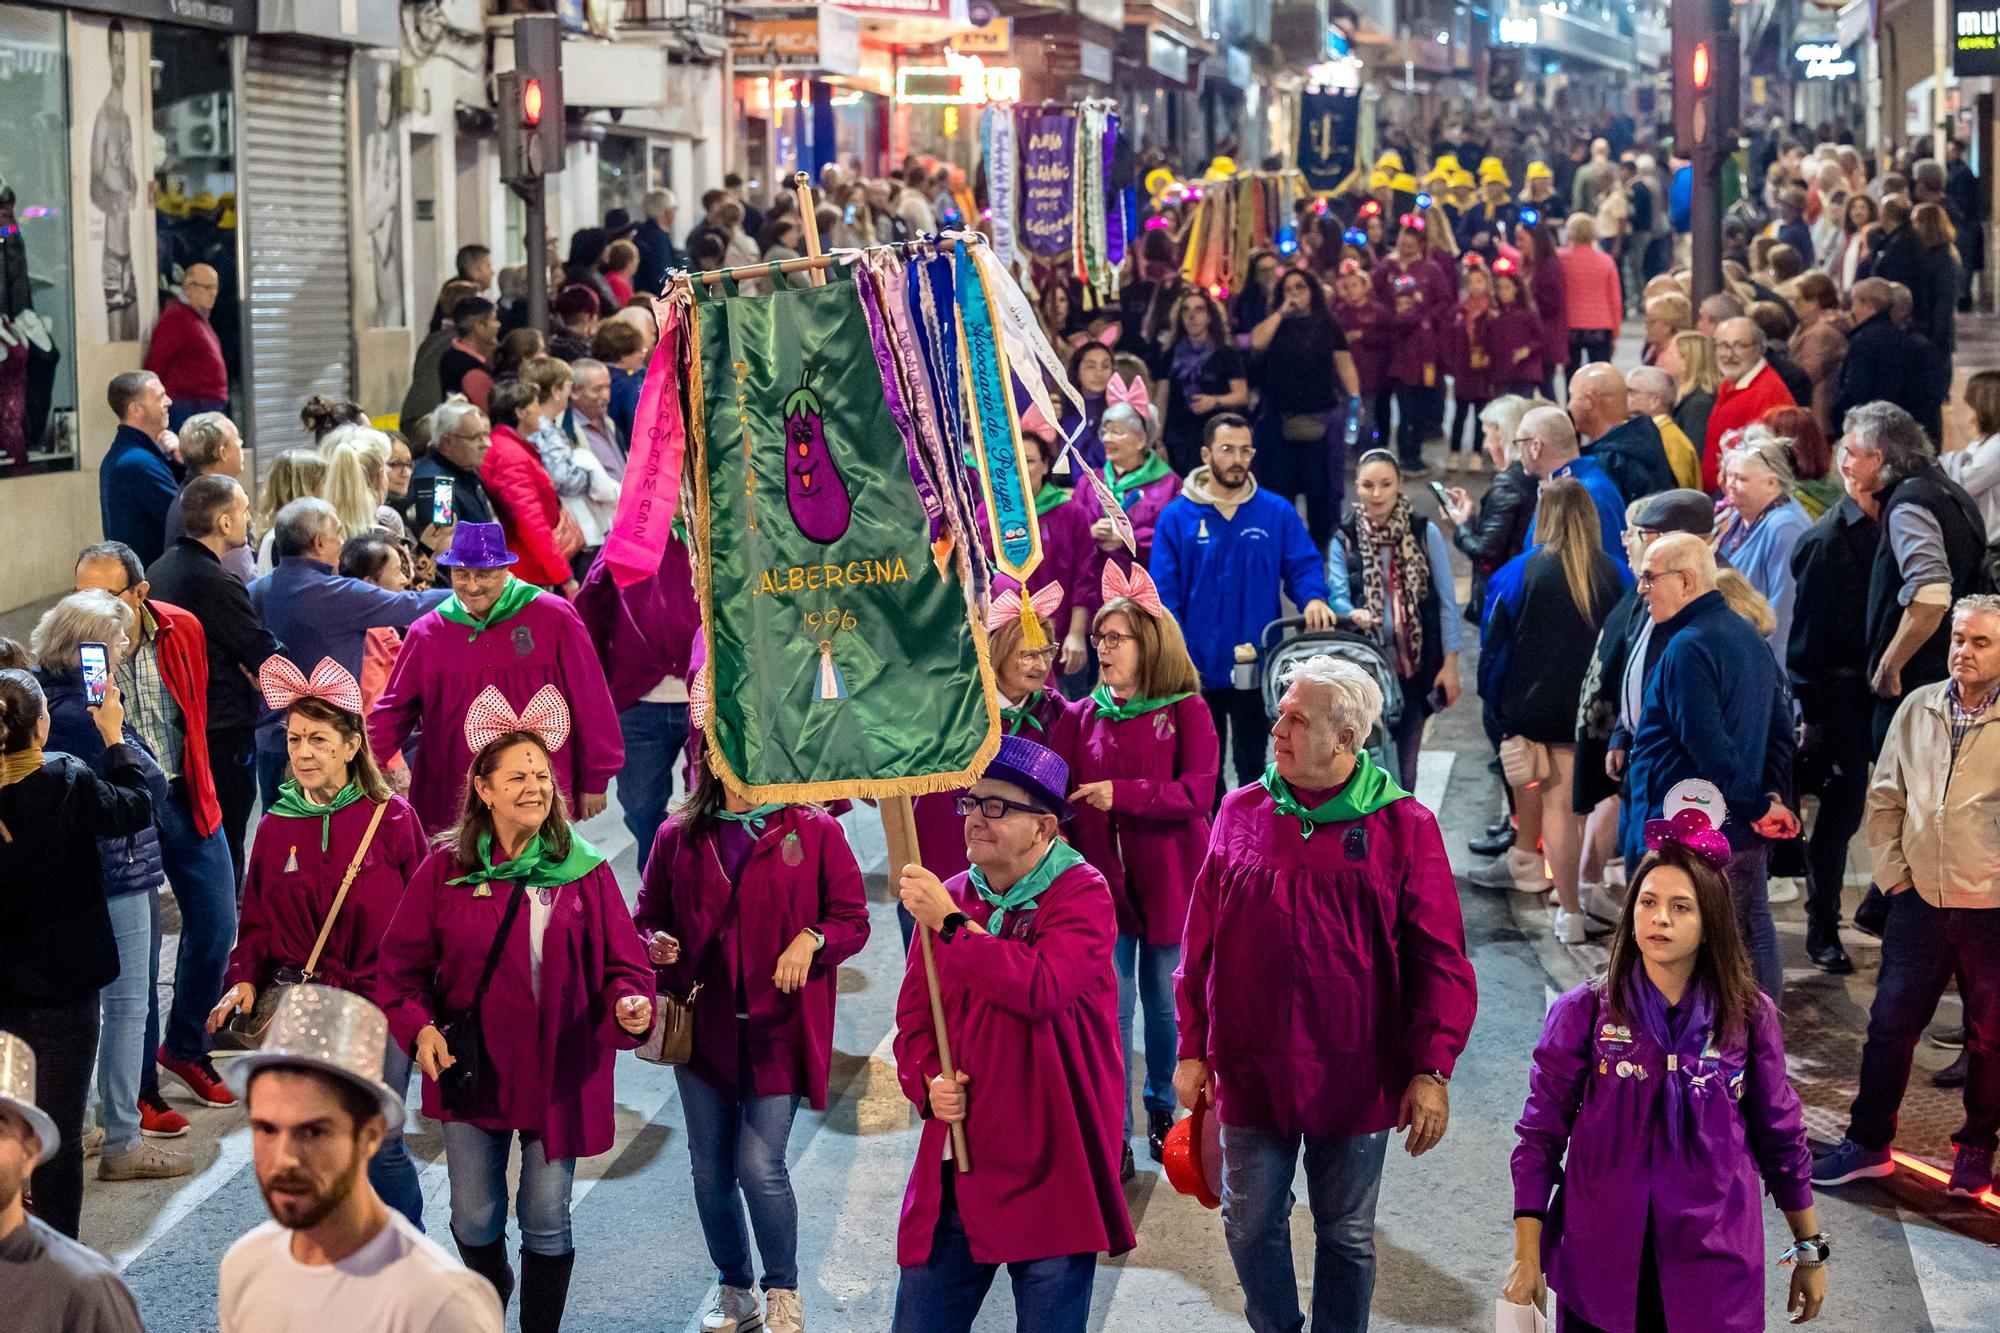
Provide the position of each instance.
(95, 659)
(441, 505)
(1444, 501)
(850, 215)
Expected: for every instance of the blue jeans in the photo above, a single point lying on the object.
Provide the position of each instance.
(204, 883)
(1146, 976)
(391, 1171)
(736, 1146)
(271, 766)
(123, 1055)
(943, 1295)
(655, 734)
(1343, 1177)
(1749, 885)
(477, 1164)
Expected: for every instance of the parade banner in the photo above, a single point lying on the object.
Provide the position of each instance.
(996, 432)
(1048, 184)
(1327, 125)
(843, 662)
(1002, 163)
(650, 496)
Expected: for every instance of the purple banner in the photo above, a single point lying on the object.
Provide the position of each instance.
(1048, 184)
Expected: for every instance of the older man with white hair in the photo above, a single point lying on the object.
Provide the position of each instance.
(1324, 994)
(1750, 387)
(1549, 448)
(1652, 392)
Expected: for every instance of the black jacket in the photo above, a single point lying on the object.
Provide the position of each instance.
(1882, 365)
(1797, 382)
(1964, 533)
(1597, 706)
(1633, 457)
(1497, 531)
(1827, 655)
(1934, 289)
(58, 946)
(1895, 257)
(189, 576)
(1552, 645)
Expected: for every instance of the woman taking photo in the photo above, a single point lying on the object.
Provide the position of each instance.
(1493, 532)
(1390, 572)
(58, 950)
(1307, 378)
(1139, 478)
(756, 907)
(1762, 523)
(524, 498)
(1197, 374)
(1143, 754)
(1658, 1112)
(515, 938)
(332, 856)
(1540, 638)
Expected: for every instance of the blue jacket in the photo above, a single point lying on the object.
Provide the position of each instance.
(625, 386)
(1610, 502)
(1715, 707)
(129, 862)
(1221, 577)
(135, 486)
(317, 613)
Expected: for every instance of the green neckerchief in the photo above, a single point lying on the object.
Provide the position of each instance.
(751, 819)
(1015, 718)
(1059, 857)
(1049, 497)
(293, 803)
(679, 528)
(1151, 470)
(508, 604)
(532, 867)
(1365, 792)
(1137, 706)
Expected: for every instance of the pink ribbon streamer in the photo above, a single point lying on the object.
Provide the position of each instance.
(651, 494)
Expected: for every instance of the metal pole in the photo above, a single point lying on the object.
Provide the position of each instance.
(535, 195)
(1940, 51)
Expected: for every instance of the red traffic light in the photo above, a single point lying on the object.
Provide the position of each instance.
(531, 100)
(1700, 66)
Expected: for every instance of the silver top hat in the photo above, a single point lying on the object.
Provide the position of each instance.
(17, 1092)
(334, 1031)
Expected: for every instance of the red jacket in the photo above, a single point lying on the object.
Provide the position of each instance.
(187, 356)
(183, 652)
(1734, 409)
(524, 500)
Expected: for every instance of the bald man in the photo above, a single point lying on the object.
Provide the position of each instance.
(186, 354)
(1626, 444)
(1749, 389)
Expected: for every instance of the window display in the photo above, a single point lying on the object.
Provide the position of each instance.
(37, 314)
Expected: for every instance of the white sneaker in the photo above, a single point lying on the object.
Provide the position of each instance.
(782, 1311)
(1575, 928)
(734, 1311)
(1601, 904)
(1782, 889)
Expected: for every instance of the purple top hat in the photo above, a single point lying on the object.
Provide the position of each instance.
(478, 546)
(1035, 769)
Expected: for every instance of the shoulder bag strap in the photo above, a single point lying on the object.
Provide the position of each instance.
(346, 883)
(499, 944)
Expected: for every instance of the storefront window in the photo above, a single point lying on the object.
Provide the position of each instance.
(194, 175)
(621, 174)
(37, 303)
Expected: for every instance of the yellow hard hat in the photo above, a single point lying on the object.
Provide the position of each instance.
(1379, 179)
(1446, 162)
(1158, 179)
(1404, 182)
(1539, 171)
(1389, 161)
(1222, 166)
(1461, 179)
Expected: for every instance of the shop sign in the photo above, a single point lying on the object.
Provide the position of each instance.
(1824, 60)
(1111, 13)
(950, 11)
(1521, 31)
(228, 15)
(1975, 51)
(825, 42)
(996, 38)
(1165, 56)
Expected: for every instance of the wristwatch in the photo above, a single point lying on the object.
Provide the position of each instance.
(951, 926)
(1809, 1251)
(1437, 1076)
(819, 940)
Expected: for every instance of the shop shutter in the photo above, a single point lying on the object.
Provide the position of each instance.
(297, 236)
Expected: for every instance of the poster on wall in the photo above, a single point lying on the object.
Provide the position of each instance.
(108, 94)
(381, 295)
(1327, 124)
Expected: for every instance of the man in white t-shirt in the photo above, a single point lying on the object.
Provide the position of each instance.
(318, 1111)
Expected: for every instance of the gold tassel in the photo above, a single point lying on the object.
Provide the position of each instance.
(1032, 637)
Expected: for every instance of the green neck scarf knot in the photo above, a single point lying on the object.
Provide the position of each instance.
(1137, 706)
(1366, 791)
(533, 867)
(752, 819)
(1147, 472)
(292, 803)
(512, 598)
(1049, 497)
(1059, 857)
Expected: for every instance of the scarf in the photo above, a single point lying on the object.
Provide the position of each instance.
(1682, 1035)
(1049, 497)
(1016, 718)
(18, 764)
(293, 803)
(1126, 486)
(507, 605)
(1137, 706)
(1366, 790)
(752, 819)
(1200, 487)
(1059, 857)
(532, 867)
(1411, 568)
(1189, 361)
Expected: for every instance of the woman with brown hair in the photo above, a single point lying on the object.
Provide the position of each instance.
(1198, 374)
(1540, 637)
(1144, 758)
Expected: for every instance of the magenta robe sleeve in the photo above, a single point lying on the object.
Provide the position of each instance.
(1440, 993)
(410, 954)
(600, 742)
(250, 956)
(1041, 977)
(1773, 1120)
(1191, 790)
(1197, 959)
(916, 1049)
(1555, 1095)
(843, 902)
(401, 703)
(623, 969)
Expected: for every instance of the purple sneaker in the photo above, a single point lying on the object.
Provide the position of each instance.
(1971, 1173)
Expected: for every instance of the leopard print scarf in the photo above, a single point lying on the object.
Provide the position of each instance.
(1410, 566)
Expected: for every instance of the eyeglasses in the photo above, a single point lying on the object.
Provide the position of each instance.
(1232, 450)
(1648, 580)
(1522, 441)
(993, 807)
(1737, 346)
(402, 465)
(1112, 640)
(1030, 657)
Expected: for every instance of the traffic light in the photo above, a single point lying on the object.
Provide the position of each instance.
(531, 103)
(1705, 76)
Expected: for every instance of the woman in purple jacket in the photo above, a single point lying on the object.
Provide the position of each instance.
(1143, 755)
(757, 906)
(1658, 1111)
(1139, 478)
(518, 891)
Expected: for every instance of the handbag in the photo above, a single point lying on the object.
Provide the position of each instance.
(670, 1041)
(467, 1085)
(245, 1031)
(1525, 763)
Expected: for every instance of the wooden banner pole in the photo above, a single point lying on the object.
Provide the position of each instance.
(899, 815)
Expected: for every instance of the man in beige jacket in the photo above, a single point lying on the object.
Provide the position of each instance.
(1933, 830)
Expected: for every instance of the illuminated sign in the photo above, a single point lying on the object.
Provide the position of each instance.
(1824, 60)
(1975, 39)
(960, 82)
(1521, 31)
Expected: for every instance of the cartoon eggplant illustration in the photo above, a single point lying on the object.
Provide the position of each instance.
(813, 486)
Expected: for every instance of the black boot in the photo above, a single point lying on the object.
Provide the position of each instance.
(544, 1290)
(1495, 841)
(1158, 1122)
(1952, 1075)
(490, 1262)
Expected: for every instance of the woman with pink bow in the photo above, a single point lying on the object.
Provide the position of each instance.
(332, 856)
(1030, 705)
(513, 974)
(1143, 754)
(1139, 478)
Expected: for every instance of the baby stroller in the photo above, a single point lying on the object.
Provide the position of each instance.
(1349, 645)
